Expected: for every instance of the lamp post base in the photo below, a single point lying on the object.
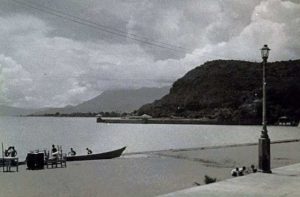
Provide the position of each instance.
(264, 160)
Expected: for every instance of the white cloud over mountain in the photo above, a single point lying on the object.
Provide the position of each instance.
(46, 63)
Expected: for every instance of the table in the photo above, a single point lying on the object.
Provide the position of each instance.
(9, 162)
(35, 161)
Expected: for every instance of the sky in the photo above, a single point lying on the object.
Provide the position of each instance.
(55, 53)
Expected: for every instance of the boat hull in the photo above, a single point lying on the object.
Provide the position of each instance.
(105, 155)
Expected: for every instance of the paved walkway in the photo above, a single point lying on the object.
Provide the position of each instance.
(284, 181)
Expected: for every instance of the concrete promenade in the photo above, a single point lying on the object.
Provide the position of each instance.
(284, 181)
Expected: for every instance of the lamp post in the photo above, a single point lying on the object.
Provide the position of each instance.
(264, 140)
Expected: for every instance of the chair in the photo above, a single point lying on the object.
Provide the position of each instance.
(9, 162)
(58, 159)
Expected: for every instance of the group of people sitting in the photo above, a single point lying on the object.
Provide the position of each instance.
(73, 152)
(242, 171)
(10, 152)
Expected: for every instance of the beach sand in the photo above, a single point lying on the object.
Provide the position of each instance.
(148, 174)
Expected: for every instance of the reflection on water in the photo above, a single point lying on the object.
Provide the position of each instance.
(31, 133)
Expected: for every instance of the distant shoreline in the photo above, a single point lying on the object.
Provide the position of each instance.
(172, 121)
(155, 121)
(141, 120)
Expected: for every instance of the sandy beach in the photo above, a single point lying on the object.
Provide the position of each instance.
(147, 174)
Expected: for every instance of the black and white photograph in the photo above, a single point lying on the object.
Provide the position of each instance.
(149, 98)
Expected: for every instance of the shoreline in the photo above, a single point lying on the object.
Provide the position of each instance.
(210, 147)
(145, 174)
(195, 148)
(190, 121)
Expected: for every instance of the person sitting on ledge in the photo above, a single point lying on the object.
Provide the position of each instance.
(253, 168)
(242, 171)
(72, 152)
(235, 172)
(89, 151)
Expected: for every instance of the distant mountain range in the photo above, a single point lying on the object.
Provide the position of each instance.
(124, 100)
(14, 111)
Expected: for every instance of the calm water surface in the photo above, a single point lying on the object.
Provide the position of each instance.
(31, 133)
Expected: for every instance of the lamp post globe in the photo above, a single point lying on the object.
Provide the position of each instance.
(265, 52)
(264, 160)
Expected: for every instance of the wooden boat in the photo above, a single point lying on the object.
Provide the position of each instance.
(105, 155)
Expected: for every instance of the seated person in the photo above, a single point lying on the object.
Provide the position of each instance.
(54, 151)
(235, 172)
(242, 171)
(13, 152)
(7, 152)
(89, 151)
(10, 152)
(72, 152)
(253, 168)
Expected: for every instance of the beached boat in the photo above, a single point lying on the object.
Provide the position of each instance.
(105, 155)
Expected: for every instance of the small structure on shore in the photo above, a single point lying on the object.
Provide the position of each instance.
(146, 116)
(99, 117)
(286, 121)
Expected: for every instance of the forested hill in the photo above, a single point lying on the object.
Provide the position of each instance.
(231, 91)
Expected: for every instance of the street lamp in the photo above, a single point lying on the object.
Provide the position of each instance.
(264, 140)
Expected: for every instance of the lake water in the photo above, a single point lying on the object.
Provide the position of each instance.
(31, 133)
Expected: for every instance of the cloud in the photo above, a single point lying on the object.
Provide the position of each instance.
(44, 63)
(56, 71)
(15, 81)
(273, 22)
